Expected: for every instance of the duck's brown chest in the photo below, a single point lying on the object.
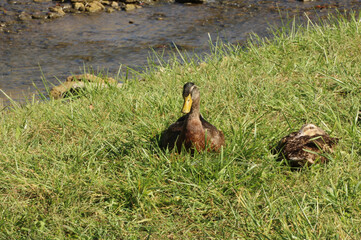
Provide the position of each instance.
(192, 136)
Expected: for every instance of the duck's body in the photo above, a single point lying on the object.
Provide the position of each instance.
(192, 131)
(305, 147)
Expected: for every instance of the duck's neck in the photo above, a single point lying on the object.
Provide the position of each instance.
(195, 110)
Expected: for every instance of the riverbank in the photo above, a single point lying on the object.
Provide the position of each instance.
(54, 48)
(90, 167)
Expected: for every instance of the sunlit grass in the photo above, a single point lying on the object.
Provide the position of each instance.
(90, 167)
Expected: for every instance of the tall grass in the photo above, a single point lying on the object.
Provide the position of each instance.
(90, 167)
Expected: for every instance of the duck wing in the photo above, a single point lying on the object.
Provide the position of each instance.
(169, 136)
(305, 150)
(216, 136)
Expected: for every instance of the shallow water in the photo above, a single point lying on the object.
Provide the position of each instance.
(106, 41)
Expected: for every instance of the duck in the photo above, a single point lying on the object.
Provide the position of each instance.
(305, 147)
(191, 131)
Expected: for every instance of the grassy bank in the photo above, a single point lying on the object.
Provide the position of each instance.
(90, 167)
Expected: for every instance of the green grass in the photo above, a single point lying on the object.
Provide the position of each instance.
(69, 171)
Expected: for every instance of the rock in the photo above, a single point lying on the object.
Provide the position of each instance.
(71, 10)
(41, 1)
(79, 6)
(114, 4)
(24, 16)
(58, 10)
(74, 83)
(129, 7)
(91, 78)
(53, 15)
(94, 7)
(67, 6)
(191, 1)
(110, 10)
(105, 3)
(61, 90)
(38, 15)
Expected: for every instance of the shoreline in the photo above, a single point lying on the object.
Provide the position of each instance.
(55, 49)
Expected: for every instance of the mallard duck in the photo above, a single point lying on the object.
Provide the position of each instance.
(305, 147)
(192, 131)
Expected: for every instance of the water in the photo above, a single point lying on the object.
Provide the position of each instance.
(106, 41)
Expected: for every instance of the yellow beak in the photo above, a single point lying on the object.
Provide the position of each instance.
(187, 104)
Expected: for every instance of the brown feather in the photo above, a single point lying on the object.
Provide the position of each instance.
(192, 132)
(304, 150)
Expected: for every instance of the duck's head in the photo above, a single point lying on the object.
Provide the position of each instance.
(310, 130)
(190, 95)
